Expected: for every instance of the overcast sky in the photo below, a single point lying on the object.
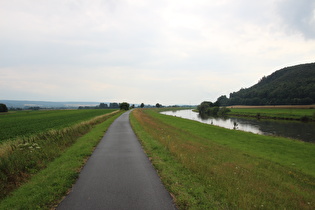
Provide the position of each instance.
(150, 51)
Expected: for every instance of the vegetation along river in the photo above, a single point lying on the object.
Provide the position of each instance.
(290, 129)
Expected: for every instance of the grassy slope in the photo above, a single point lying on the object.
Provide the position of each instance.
(205, 166)
(48, 187)
(282, 150)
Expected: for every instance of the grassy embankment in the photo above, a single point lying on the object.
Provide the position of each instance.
(208, 167)
(24, 156)
(292, 113)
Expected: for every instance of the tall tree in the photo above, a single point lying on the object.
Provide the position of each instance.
(158, 105)
(124, 106)
(103, 106)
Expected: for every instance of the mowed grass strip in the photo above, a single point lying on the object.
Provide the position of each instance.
(46, 189)
(207, 167)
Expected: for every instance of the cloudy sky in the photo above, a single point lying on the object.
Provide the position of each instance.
(150, 51)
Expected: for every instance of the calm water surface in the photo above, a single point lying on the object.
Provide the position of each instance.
(290, 129)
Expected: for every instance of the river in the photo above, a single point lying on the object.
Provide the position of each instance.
(290, 129)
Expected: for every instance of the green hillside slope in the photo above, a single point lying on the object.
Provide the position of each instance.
(289, 86)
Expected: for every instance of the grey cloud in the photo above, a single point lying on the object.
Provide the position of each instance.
(298, 16)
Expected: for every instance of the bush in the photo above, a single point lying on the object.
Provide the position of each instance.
(305, 118)
(3, 108)
(213, 111)
(223, 111)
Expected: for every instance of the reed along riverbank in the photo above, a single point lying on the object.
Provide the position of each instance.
(205, 166)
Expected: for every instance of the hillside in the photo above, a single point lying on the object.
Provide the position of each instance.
(293, 85)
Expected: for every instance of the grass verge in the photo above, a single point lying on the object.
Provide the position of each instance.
(207, 167)
(45, 189)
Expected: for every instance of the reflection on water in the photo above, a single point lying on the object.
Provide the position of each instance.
(290, 129)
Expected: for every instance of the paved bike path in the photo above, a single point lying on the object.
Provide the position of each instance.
(118, 175)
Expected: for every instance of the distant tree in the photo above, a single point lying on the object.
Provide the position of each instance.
(114, 105)
(142, 105)
(204, 106)
(124, 106)
(158, 105)
(103, 106)
(208, 108)
(3, 108)
(222, 101)
(132, 106)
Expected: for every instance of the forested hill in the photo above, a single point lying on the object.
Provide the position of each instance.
(289, 86)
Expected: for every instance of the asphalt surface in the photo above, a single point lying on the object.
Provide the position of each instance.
(118, 175)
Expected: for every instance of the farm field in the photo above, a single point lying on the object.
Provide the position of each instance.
(274, 107)
(47, 134)
(46, 188)
(26, 123)
(208, 167)
(276, 113)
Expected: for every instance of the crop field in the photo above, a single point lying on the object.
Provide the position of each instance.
(26, 123)
(45, 189)
(31, 140)
(208, 167)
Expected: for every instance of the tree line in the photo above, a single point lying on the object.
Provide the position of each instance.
(123, 105)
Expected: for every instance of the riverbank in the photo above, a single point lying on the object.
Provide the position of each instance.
(286, 128)
(206, 167)
(276, 113)
(274, 106)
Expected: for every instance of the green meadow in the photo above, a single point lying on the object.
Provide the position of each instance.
(276, 113)
(208, 167)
